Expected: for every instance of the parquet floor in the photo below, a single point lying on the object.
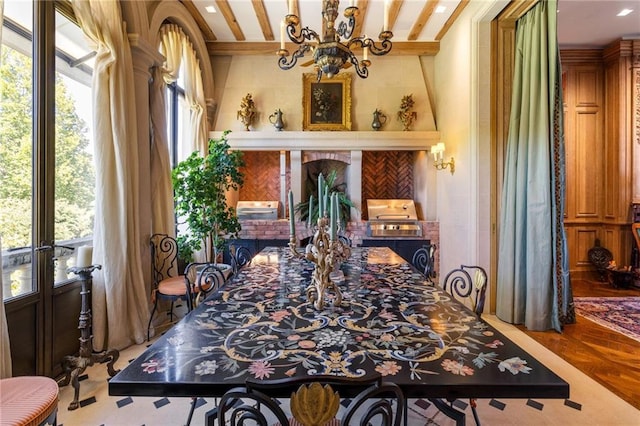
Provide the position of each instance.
(610, 358)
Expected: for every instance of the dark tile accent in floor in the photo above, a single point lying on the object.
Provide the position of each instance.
(345, 402)
(460, 404)
(161, 402)
(124, 402)
(497, 404)
(87, 401)
(535, 404)
(573, 404)
(423, 403)
(200, 402)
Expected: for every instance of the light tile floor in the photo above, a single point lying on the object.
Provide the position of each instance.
(589, 403)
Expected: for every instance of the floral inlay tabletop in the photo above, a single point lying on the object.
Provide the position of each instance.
(391, 321)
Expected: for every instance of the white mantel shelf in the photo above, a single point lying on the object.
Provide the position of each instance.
(330, 141)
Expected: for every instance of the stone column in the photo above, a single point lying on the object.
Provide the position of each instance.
(144, 57)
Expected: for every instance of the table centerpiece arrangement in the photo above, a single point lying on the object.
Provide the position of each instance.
(326, 250)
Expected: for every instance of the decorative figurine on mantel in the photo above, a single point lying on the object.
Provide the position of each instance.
(406, 115)
(247, 111)
(378, 120)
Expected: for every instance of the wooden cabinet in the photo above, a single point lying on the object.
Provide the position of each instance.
(598, 91)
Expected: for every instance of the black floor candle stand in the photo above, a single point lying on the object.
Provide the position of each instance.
(73, 365)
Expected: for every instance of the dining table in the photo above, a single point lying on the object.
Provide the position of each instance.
(391, 321)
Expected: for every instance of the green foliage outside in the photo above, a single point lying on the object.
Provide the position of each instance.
(75, 177)
(200, 185)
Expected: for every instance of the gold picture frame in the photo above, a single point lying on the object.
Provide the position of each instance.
(326, 104)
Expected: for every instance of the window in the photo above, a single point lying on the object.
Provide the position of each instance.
(71, 167)
(177, 121)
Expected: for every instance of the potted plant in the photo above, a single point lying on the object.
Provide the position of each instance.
(344, 203)
(200, 185)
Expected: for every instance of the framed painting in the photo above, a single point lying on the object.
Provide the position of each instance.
(326, 104)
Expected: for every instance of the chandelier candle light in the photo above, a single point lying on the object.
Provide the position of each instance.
(330, 54)
(325, 250)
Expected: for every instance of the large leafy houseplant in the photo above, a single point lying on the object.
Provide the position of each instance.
(200, 185)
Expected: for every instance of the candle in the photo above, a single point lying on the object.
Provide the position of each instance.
(386, 16)
(291, 7)
(325, 202)
(292, 224)
(337, 212)
(282, 34)
(310, 210)
(320, 196)
(333, 219)
(365, 53)
(84, 256)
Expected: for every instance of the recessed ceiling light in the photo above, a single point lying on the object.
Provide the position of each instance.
(210, 9)
(624, 12)
(441, 9)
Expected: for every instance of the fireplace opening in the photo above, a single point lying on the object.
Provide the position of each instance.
(312, 169)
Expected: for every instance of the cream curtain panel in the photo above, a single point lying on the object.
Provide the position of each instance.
(5, 348)
(162, 213)
(195, 97)
(120, 303)
(178, 50)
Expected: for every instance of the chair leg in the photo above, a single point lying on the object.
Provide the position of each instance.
(473, 404)
(153, 311)
(447, 410)
(194, 400)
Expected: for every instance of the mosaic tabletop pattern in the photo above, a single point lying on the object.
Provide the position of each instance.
(391, 321)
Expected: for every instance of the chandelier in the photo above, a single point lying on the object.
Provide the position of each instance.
(330, 54)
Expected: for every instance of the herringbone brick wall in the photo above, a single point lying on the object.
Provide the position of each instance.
(261, 176)
(386, 175)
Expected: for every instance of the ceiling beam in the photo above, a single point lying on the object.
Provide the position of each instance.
(400, 48)
(423, 18)
(360, 18)
(225, 9)
(263, 19)
(452, 19)
(207, 33)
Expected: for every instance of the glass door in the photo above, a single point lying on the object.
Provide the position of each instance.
(48, 182)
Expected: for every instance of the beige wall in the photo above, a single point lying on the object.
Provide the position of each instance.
(389, 79)
(462, 89)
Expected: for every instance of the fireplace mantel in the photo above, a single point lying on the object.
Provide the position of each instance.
(331, 141)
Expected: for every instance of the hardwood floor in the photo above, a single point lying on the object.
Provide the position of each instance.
(609, 358)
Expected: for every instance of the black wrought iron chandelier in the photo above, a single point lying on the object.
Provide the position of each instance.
(330, 54)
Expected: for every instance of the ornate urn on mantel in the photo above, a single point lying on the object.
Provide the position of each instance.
(406, 114)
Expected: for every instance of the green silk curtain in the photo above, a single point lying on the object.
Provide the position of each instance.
(533, 280)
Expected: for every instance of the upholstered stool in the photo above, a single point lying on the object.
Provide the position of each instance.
(28, 400)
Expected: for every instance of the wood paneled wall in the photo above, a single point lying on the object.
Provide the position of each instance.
(597, 96)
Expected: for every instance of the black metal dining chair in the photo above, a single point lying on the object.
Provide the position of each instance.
(240, 256)
(168, 282)
(312, 400)
(468, 283)
(192, 285)
(424, 261)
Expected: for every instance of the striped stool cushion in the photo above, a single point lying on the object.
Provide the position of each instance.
(28, 400)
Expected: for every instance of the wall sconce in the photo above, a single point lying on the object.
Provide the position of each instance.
(438, 158)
